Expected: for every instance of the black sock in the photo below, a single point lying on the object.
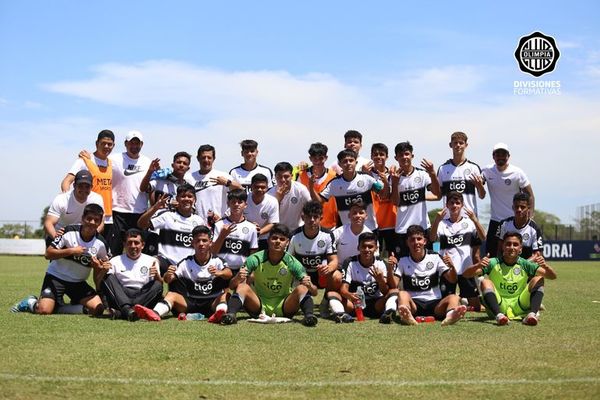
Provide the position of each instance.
(307, 304)
(491, 302)
(536, 299)
(234, 305)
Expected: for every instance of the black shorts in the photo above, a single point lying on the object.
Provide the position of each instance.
(163, 264)
(491, 240)
(467, 287)
(369, 310)
(194, 304)
(314, 278)
(426, 308)
(55, 289)
(386, 240)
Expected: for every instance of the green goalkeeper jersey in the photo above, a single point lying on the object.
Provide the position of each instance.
(510, 280)
(272, 281)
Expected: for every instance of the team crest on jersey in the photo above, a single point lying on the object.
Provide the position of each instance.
(264, 215)
(294, 200)
(321, 243)
(93, 251)
(525, 237)
(245, 230)
(144, 270)
(283, 271)
(464, 225)
(507, 181)
(517, 271)
(360, 183)
(467, 172)
(429, 265)
(418, 180)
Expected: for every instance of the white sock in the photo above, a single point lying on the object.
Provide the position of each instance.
(221, 306)
(162, 308)
(391, 303)
(336, 306)
(70, 309)
(31, 304)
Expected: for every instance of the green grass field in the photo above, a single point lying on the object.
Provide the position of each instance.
(81, 357)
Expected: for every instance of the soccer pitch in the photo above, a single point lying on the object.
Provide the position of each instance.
(70, 356)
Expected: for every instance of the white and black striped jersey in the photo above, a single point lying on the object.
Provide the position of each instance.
(422, 279)
(457, 178)
(238, 245)
(312, 252)
(175, 235)
(244, 177)
(263, 213)
(348, 192)
(457, 239)
(355, 274)
(201, 284)
(132, 273)
(531, 233)
(76, 268)
(412, 208)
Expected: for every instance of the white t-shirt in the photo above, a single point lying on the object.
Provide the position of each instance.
(355, 274)
(76, 268)
(290, 207)
(244, 177)
(266, 212)
(457, 240)
(346, 242)
(312, 252)
(412, 208)
(133, 274)
(237, 246)
(457, 178)
(68, 210)
(502, 186)
(127, 176)
(175, 234)
(209, 195)
(422, 279)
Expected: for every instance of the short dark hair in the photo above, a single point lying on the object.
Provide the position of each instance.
(186, 187)
(521, 196)
(182, 154)
(93, 208)
(367, 237)
(379, 147)
(415, 230)
(312, 207)
(459, 136)
(353, 134)
(201, 229)
(513, 234)
(455, 195)
(358, 203)
(283, 166)
(132, 233)
(105, 133)
(259, 178)
(402, 147)
(317, 149)
(248, 144)
(280, 229)
(346, 153)
(237, 194)
(207, 147)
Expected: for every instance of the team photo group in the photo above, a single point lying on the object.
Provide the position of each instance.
(163, 239)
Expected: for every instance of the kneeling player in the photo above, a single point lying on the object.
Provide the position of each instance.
(366, 271)
(506, 292)
(73, 255)
(195, 285)
(272, 291)
(420, 273)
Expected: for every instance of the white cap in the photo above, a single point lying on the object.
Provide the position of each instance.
(501, 146)
(134, 134)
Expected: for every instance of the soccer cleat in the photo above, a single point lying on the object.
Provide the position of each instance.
(531, 319)
(343, 318)
(129, 314)
(455, 315)
(23, 305)
(146, 313)
(228, 319)
(501, 319)
(114, 314)
(406, 316)
(387, 317)
(309, 320)
(216, 317)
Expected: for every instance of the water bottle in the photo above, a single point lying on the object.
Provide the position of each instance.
(360, 304)
(425, 319)
(162, 173)
(191, 317)
(323, 278)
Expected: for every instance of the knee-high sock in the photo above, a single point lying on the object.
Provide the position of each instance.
(307, 304)
(490, 301)
(536, 298)
(235, 303)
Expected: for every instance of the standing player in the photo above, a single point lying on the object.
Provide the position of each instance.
(290, 194)
(385, 210)
(175, 236)
(250, 167)
(514, 286)
(503, 181)
(409, 188)
(522, 223)
(262, 210)
(351, 186)
(169, 184)
(420, 273)
(133, 278)
(73, 255)
(353, 141)
(460, 238)
(196, 285)
(272, 291)
(319, 176)
(236, 237)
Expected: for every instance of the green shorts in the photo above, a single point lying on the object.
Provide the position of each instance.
(513, 307)
(273, 306)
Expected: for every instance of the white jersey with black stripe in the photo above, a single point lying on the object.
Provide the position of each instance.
(312, 252)
(239, 244)
(422, 279)
(457, 178)
(175, 234)
(412, 207)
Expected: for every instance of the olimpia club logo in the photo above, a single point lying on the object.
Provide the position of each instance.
(537, 54)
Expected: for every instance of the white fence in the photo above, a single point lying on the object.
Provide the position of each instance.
(22, 246)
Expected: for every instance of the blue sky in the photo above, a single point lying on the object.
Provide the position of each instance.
(187, 73)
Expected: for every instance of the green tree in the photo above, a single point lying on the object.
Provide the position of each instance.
(589, 226)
